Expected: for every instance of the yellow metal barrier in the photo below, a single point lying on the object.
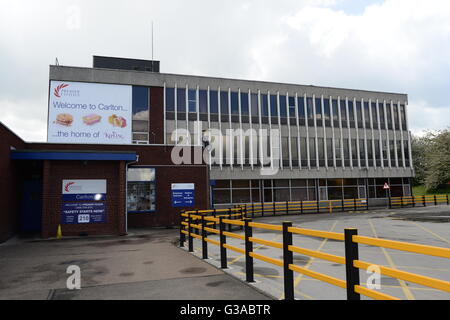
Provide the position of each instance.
(351, 240)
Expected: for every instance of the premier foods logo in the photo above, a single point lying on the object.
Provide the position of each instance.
(62, 91)
(70, 187)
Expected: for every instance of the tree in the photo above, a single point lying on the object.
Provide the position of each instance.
(437, 160)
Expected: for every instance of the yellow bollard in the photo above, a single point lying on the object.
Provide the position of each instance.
(59, 233)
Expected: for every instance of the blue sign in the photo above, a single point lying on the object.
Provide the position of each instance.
(183, 195)
(78, 213)
(84, 197)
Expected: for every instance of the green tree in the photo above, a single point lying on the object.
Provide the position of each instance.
(419, 151)
(437, 159)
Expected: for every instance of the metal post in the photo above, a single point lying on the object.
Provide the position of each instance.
(390, 203)
(342, 205)
(447, 200)
(253, 210)
(413, 201)
(288, 259)
(263, 206)
(248, 250)
(435, 202)
(223, 241)
(274, 212)
(229, 217)
(190, 239)
(354, 204)
(423, 200)
(318, 205)
(287, 208)
(352, 273)
(367, 203)
(182, 235)
(204, 243)
(214, 216)
(301, 206)
(197, 231)
(401, 201)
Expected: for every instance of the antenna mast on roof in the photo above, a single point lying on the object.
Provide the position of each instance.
(56, 61)
(152, 41)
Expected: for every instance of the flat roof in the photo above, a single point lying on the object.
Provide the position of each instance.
(133, 77)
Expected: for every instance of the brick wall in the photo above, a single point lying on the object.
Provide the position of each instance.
(54, 172)
(10, 184)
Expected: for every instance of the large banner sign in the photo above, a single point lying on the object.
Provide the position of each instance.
(83, 201)
(81, 112)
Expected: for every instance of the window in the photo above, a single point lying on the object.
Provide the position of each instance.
(367, 115)
(374, 115)
(244, 104)
(335, 113)
(382, 117)
(192, 100)
(346, 153)
(291, 101)
(370, 152)
(312, 152)
(338, 152)
(396, 118)
(362, 152)
(301, 110)
(359, 114)
(254, 107)
(140, 118)
(330, 151)
(351, 114)
(264, 108)
(343, 114)
(213, 102)
(403, 117)
(170, 99)
(309, 111)
(181, 101)
(203, 101)
(389, 115)
(399, 153)
(355, 152)
(321, 150)
(327, 112)
(224, 106)
(273, 106)
(319, 120)
(376, 143)
(141, 191)
(283, 108)
(303, 152)
(234, 103)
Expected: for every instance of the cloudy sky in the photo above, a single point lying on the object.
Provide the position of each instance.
(383, 45)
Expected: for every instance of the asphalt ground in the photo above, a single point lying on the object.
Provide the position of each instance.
(145, 265)
(428, 226)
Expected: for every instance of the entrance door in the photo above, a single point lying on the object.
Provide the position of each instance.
(31, 206)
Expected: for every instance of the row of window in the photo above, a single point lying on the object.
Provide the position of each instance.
(248, 191)
(301, 151)
(247, 107)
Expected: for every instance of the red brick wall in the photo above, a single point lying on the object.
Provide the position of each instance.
(10, 184)
(165, 214)
(54, 172)
(156, 134)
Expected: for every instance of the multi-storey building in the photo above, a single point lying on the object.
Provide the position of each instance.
(253, 141)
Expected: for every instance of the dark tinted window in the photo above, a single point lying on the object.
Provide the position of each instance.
(283, 108)
(224, 103)
(170, 99)
(244, 103)
(273, 106)
(181, 100)
(213, 104)
(203, 102)
(234, 103)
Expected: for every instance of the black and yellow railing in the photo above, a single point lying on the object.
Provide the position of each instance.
(417, 201)
(202, 222)
(299, 207)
